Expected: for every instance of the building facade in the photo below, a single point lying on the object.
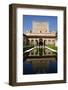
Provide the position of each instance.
(40, 35)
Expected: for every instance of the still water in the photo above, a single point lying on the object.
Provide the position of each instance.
(40, 61)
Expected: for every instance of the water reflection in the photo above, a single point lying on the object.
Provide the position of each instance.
(35, 63)
(41, 52)
(40, 65)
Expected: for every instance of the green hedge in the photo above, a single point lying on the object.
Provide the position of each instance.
(52, 46)
(27, 47)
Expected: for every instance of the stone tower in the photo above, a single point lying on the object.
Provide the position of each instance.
(40, 27)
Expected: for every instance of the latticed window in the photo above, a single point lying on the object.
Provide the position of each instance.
(53, 40)
(40, 31)
(49, 40)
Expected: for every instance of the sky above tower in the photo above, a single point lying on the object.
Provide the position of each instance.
(28, 19)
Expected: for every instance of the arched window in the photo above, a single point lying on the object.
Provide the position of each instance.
(32, 42)
(53, 41)
(40, 31)
(36, 42)
(40, 42)
(28, 42)
(49, 40)
(44, 42)
(46, 30)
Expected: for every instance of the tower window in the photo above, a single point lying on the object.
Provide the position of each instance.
(40, 32)
(45, 30)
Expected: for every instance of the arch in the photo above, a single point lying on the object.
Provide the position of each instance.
(32, 42)
(53, 42)
(44, 42)
(28, 42)
(36, 41)
(40, 42)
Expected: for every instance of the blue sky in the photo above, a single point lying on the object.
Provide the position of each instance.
(27, 22)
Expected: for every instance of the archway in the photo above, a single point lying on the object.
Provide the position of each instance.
(44, 42)
(40, 42)
(36, 42)
(32, 42)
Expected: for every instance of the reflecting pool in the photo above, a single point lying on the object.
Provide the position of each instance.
(40, 61)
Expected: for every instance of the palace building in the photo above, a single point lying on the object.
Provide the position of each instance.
(40, 34)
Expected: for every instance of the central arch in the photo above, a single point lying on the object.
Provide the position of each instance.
(40, 42)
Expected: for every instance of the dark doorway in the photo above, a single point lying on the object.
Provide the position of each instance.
(40, 42)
